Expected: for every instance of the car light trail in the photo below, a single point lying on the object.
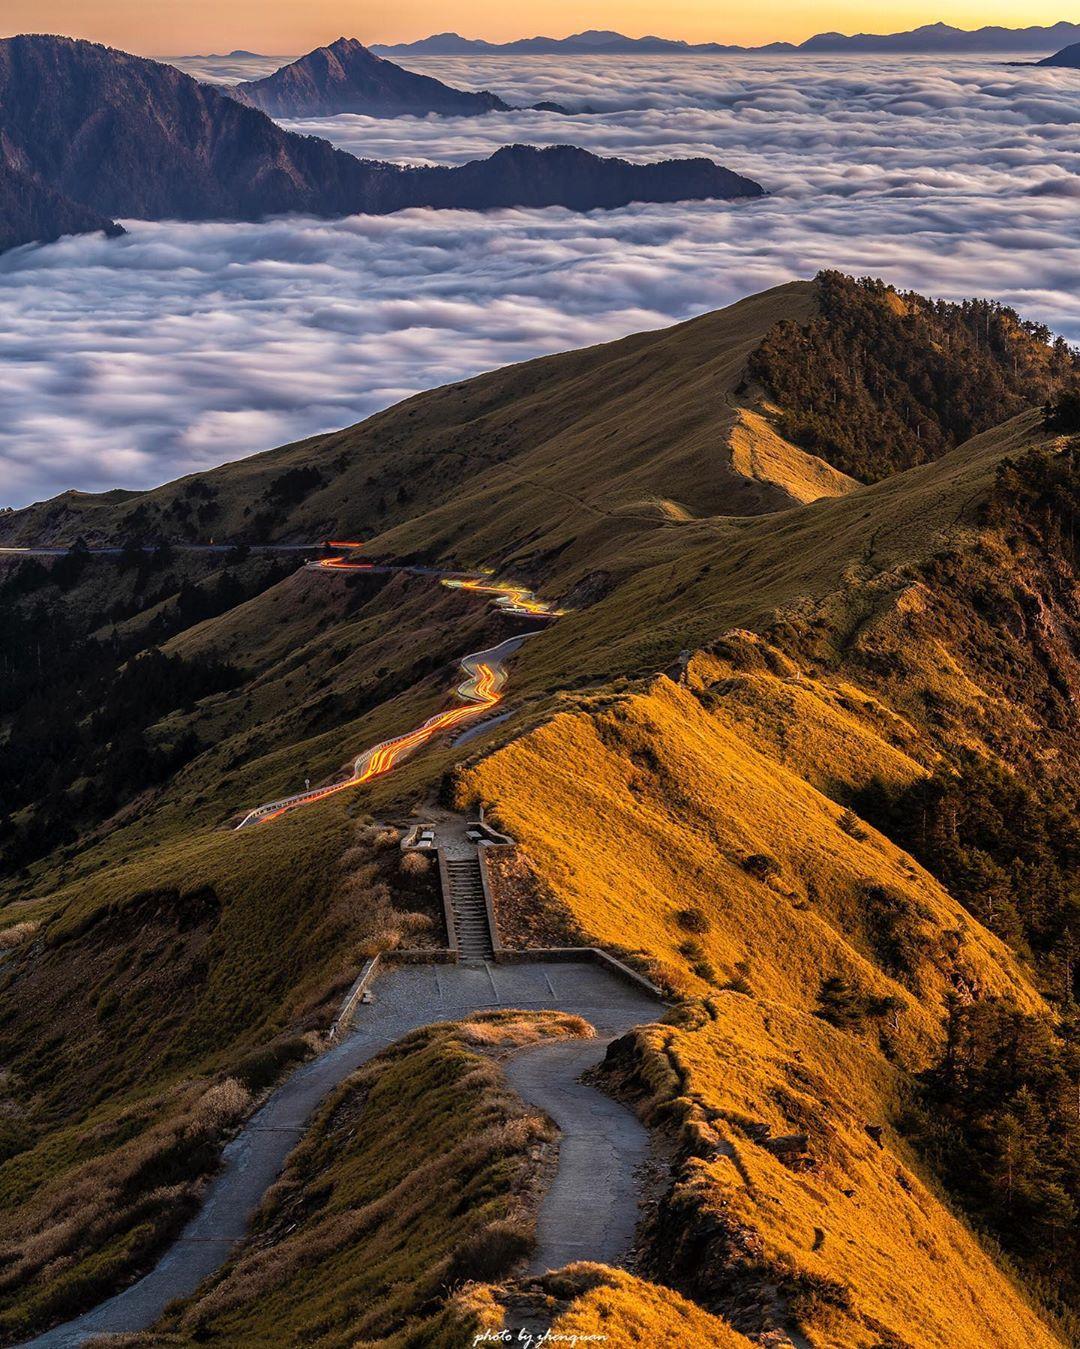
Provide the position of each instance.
(340, 564)
(481, 689)
(510, 598)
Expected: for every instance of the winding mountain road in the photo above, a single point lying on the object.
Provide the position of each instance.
(481, 688)
(590, 1208)
(485, 675)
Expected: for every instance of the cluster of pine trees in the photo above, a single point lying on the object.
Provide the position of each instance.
(1009, 854)
(999, 1115)
(882, 380)
(76, 709)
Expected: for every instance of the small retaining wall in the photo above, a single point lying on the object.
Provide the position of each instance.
(448, 908)
(595, 954)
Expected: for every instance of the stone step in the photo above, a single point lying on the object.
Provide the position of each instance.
(468, 907)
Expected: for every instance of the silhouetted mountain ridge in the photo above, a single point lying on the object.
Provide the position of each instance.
(122, 136)
(1068, 57)
(930, 38)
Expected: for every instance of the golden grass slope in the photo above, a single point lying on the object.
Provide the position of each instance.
(865, 1250)
(760, 454)
(654, 805)
(620, 1311)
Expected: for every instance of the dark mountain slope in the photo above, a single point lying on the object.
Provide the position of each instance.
(130, 137)
(563, 175)
(124, 136)
(1068, 56)
(346, 77)
(31, 211)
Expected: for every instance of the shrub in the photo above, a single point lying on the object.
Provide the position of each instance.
(740, 981)
(851, 824)
(895, 930)
(1062, 414)
(491, 1252)
(840, 1003)
(415, 864)
(761, 866)
(10, 937)
(693, 920)
(259, 1069)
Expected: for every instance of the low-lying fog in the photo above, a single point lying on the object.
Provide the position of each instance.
(128, 362)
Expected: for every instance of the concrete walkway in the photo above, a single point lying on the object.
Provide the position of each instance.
(591, 1208)
(405, 999)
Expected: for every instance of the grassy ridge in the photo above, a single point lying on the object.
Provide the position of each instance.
(606, 433)
(839, 1217)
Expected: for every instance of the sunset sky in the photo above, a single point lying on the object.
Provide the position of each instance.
(281, 26)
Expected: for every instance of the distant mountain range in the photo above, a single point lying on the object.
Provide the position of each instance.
(239, 54)
(931, 38)
(1068, 56)
(346, 77)
(91, 134)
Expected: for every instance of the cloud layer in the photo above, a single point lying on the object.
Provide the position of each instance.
(131, 361)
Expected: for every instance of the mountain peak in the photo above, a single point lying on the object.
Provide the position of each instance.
(346, 77)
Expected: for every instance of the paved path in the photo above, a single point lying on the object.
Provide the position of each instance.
(405, 998)
(591, 1208)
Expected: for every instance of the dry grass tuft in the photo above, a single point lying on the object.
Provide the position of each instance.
(512, 1029)
(17, 934)
(415, 864)
(619, 1311)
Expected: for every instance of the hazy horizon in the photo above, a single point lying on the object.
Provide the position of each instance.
(279, 28)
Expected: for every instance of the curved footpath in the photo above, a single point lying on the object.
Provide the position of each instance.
(590, 1209)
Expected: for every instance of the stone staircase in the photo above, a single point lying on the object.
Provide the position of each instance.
(470, 912)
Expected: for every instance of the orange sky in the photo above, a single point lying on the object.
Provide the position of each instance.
(283, 26)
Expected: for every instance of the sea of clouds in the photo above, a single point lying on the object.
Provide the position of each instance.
(128, 362)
